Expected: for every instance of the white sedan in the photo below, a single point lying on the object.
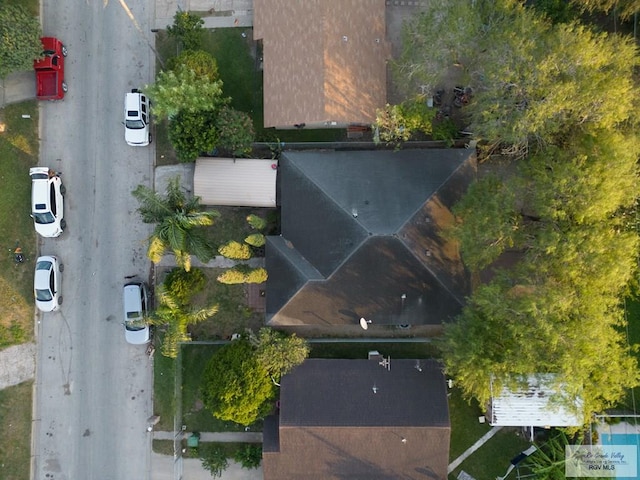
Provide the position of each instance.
(46, 283)
(135, 299)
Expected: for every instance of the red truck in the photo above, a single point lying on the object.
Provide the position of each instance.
(50, 84)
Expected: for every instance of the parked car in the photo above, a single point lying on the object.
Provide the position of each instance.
(47, 201)
(135, 299)
(50, 83)
(136, 119)
(46, 283)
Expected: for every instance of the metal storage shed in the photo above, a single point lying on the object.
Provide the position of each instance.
(537, 405)
(240, 182)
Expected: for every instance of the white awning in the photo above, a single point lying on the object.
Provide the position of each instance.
(240, 182)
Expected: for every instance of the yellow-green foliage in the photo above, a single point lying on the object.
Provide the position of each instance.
(256, 222)
(255, 240)
(258, 275)
(231, 277)
(242, 275)
(235, 251)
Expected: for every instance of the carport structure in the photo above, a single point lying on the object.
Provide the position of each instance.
(237, 182)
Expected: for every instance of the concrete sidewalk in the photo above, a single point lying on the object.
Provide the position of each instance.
(17, 364)
(17, 87)
(217, 13)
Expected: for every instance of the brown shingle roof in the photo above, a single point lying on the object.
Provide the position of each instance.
(332, 425)
(324, 60)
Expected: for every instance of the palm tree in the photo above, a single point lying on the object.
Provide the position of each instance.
(177, 317)
(177, 219)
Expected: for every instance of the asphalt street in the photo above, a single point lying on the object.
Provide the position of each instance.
(94, 391)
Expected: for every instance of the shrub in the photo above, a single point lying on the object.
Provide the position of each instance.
(235, 251)
(187, 28)
(249, 456)
(236, 132)
(255, 240)
(231, 277)
(183, 285)
(258, 275)
(214, 459)
(256, 222)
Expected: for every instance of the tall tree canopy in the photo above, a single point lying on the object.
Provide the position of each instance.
(531, 79)
(236, 386)
(19, 39)
(547, 232)
(178, 222)
(183, 91)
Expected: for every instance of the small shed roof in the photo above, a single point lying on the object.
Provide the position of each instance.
(240, 182)
(538, 404)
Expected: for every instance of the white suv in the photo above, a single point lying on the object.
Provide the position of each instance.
(136, 119)
(47, 201)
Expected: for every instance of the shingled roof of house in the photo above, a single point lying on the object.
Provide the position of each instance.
(362, 238)
(323, 60)
(359, 419)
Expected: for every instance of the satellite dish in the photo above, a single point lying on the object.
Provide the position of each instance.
(364, 323)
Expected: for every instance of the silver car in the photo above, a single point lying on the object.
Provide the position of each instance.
(46, 283)
(135, 299)
(47, 201)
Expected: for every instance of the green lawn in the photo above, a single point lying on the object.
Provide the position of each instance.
(18, 151)
(233, 315)
(493, 458)
(163, 388)
(633, 332)
(15, 422)
(360, 350)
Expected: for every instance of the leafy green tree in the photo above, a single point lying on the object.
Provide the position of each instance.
(187, 28)
(558, 11)
(236, 386)
(178, 220)
(176, 317)
(488, 221)
(182, 285)
(235, 129)
(278, 352)
(192, 133)
(214, 459)
(20, 41)
(184, 91)
(532, 80)
(625, 8)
